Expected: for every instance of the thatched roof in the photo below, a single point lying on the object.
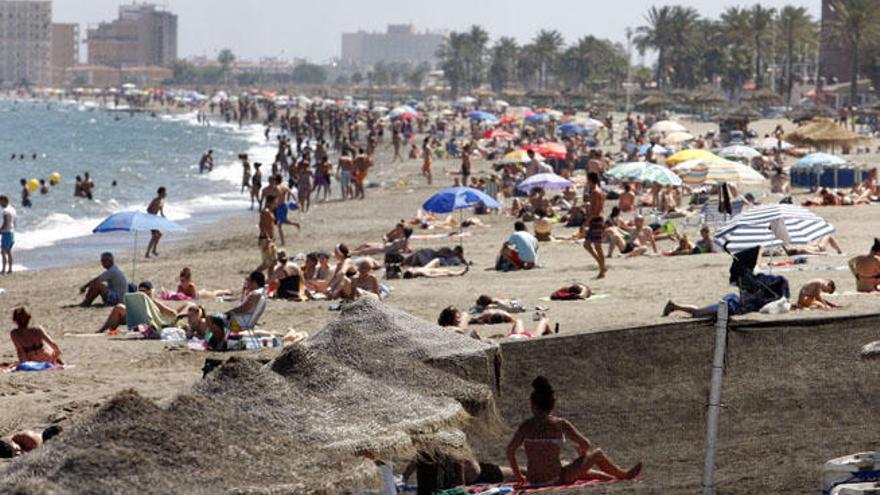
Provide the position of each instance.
(655, 101)
(803, 113)
(821, 133)
(706, 98)
(740, 113)
(372, 382)
(763, 97)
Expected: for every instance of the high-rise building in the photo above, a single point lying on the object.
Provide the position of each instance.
(143, 35)
(400, 43)
(25, 36)
(65, 50)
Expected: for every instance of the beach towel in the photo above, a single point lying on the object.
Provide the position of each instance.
(141, 310)
(32, 366)
(442, 235)
(525, 489)
(591, 298)
(174, 296)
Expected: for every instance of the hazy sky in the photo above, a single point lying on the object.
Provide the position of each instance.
(312, 28)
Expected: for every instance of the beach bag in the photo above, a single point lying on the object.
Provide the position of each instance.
(776, 307)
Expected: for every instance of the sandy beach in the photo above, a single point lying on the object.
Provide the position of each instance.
(633, 294)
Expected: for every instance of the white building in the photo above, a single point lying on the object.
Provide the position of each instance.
(400, 43)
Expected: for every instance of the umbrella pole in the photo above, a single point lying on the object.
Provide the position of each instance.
(461, 228)
(134, 256)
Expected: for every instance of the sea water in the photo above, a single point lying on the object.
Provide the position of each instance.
(140, 152)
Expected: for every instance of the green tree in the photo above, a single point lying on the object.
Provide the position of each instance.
(657, 34)
(450, 56)
(761, 24)
(183, 72)
(795, 27)
(357, 78)
(415, 76)
(547, 47)
(503, 65)
(475, 56)
(309, 74)
(226, 58)
(593, 60)
(856, 25)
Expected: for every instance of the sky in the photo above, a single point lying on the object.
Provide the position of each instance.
(312, 28)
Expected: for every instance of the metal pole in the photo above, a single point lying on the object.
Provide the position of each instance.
(134, 258)
(715, 399)
(627, 90)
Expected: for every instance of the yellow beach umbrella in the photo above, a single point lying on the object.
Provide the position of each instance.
(518, 156)
(692, 154)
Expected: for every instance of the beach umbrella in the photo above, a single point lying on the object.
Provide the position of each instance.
(480, 116)
(467, 100)
(678, 137)
(497, 134)
(667, 126)
(722, 171)
(572, 128)
(135, 221)
(644, 172)
(692, 154)
(823, 132)
(772, 226)
(518, 156)
(508, 119)
(592, 123)
(551, 149)
(538, 118)
(816, 159)
(658, 150)
(459, 198)
(738, 151)
(402, 110)
(548, 182)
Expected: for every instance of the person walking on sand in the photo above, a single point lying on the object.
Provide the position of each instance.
(266, 240)
(256, 185)
(427, 157)
(7, 233)
(596, 230)
(281, 208)
(156, 207)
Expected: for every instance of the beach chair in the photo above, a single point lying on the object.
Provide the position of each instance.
(709, 214)
(140, 310)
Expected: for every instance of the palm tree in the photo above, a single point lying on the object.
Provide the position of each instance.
(226, 58)
(475, 56)
(657, 35)
(760, 23)
(855, 24)
(547, 47)
(795, 27)
(451, 60)
(594, 59)
(503, 66)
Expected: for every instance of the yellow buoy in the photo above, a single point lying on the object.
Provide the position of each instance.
(55, 178)
(33, 185)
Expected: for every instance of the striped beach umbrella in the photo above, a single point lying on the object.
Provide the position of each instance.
(644, 172)
(691, 154)
(738, 151)
(722, 171)
(772, 226)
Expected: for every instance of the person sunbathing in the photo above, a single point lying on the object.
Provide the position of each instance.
(451, 318)
(344, 266)
(706, 244)
(196, 322)
(187, 288)
(242, 316)
(119, 312)
(542, 327)
(631, 241)
(810, 295)
(816, 248)
(543, 437)
(485, 302)
(447, 257)
(572, 292)
(358, 283)
(685, 247)
(732, 300)
(434, 269)
(32, 343)
(866, 269)
(26, 441)
(395, 245)
(286, 279)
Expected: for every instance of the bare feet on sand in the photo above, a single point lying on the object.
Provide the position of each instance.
(668, 309)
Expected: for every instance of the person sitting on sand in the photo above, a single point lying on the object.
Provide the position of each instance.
(359, 283)
(641, 238)
(217, 336)
(543, 436)
(344, 266)
(706, 244)
(866, 269)
(32, 343)
(627, 201)
(287, 279)
(543, 226)
(685, 247)
(111, 284)
(520, 251)
(168, 315)
(253, 298)
(810, 295)
(196, 322)
(26, 441)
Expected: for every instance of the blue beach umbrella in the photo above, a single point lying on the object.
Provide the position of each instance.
(538, 117)
(816, 159)
(135, 221)
(571, 128)
(482, 116)
(459, 198)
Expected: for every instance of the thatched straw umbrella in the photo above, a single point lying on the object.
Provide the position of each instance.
(807, 112)
(763, 97)
(374, 383)
(822, 133)
(655, 102)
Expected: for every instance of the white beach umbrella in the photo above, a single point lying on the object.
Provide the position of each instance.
(738, 151)
(665, 126)
(772, 226)
(678, 137)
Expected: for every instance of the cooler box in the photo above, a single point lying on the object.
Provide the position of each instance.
(852, 469)
(857, 489)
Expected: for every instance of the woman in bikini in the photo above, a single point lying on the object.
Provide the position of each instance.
(427, 158)
(188, 288)
(544, 435)
(32, 343)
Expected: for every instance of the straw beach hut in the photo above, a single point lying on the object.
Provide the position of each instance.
(822, 133)
(376, 384)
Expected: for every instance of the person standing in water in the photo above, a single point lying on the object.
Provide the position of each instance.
(207, 162)
(156, 207)
(7, 233)
(25, 194)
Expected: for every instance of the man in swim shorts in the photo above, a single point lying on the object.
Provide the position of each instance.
(596, 232)
(7, 233)
(111, 284)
